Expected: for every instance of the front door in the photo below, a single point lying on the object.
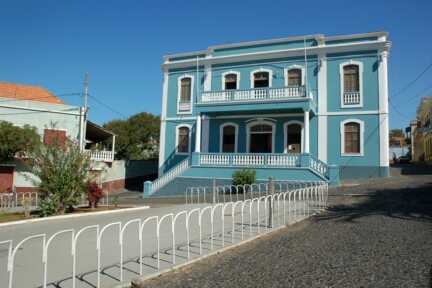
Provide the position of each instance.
(261, 143)
(294, 138)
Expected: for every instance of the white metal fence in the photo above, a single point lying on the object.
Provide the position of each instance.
(10, 201)
(147, 245)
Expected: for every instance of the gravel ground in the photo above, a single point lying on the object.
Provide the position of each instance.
(376, 234)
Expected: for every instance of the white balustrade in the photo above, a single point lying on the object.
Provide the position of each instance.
(351, 98)
(170, 175)
(319, 166)
(250, 159)
(256, 94)
(97, 155)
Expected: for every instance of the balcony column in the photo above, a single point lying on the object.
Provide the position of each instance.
(113, 147)
(198, 134)
(306, 132)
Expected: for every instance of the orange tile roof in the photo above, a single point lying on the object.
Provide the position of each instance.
(27, 92)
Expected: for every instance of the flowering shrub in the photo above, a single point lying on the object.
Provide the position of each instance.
(94, 194)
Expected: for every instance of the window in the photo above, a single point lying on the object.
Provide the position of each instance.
(55, 137)
(261, 80)
(294, 77)
(183, 140)
(293, 133)
(228, 138)
(352, 138)
(185, 90)
(351, 78)
(230, 81)
(260, 137)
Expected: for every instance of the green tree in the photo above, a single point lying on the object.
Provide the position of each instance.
(62, 172)
(16, 140)
(137, 137)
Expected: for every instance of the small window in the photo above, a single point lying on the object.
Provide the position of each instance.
(55, 137)
(230, 81)
(294, 77)
(352, 137)
(261, 79)
(183, 140)
(228, 139)
(185, 90)
(351, 78)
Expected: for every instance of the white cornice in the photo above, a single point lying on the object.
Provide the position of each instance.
(293, 52)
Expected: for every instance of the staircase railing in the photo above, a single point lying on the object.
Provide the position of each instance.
(319, 167)
(151, 187)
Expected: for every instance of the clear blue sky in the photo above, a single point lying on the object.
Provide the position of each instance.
(121, 43)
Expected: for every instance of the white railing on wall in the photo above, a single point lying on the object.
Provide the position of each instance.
(100, 155)
(351, 98)
(256, 94)
(249, 160)
(319, 167)
(14, 200)
(169, 175)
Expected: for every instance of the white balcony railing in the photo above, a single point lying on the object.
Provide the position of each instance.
(256, 94)
(351, 98)
(97, 155)
(249, 160)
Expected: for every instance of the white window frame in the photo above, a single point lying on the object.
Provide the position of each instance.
(227, 73)
(295, 66)
(236, 126)
(341, 78)
(256, 122)
(179, 79)
(190, 139)
(252, 84)
(342, 133)
(285, 126)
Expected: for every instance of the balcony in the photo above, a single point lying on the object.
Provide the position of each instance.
(97, 155)
(351, 99)
(267, 98)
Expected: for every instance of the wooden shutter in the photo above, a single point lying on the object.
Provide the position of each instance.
(352, 137)
(55, 137)
(351, 78)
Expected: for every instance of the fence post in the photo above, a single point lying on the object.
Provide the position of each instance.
(147, 189)
(271, 191)
(214, 190)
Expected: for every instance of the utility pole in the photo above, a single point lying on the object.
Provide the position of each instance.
(84, 112)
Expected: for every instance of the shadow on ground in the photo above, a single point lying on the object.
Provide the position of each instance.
(409, 203)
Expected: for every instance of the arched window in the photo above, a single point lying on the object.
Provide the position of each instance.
(228, 138)
(183, 140)
(230, 81)
(261, 79)
(260, 137)
(294, 77)
(352, 131)
(351, 83)
(293, 133)
(185, 90)
(351, 78)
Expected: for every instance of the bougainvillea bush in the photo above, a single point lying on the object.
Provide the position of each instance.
(94, 194)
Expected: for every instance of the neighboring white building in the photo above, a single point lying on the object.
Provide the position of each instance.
(37, 107)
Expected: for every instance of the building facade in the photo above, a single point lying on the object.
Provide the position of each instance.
(299, 108)
(421, 132)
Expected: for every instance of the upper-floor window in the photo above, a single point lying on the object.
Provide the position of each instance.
(351, 84)
(230, 81)
(351, 137)
(294, 77)
(183, 140)
(261, 79)
(54, 137)
(184, 102)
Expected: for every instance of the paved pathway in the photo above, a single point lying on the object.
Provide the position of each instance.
(377, 234)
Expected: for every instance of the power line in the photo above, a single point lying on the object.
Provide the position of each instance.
(107, 106)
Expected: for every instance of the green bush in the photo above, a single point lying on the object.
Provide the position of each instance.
(244, 176)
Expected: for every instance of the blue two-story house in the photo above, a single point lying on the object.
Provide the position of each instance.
(311, 107)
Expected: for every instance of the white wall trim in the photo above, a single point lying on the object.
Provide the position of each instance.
(236, 126)
(285, 126)
(223, 75)
(163, 116)
(260, 121)
(261, 70)
(295, 66)
(383, 108)
(341, 113)
(322, 108)
(179, 92)
(342, 134)
(257, 115)
(341, 79)
(205, 133)
(208, 77)
(190, 139)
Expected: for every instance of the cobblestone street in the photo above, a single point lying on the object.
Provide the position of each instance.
(376, 234)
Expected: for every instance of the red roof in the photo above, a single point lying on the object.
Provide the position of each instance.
(27, 92)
